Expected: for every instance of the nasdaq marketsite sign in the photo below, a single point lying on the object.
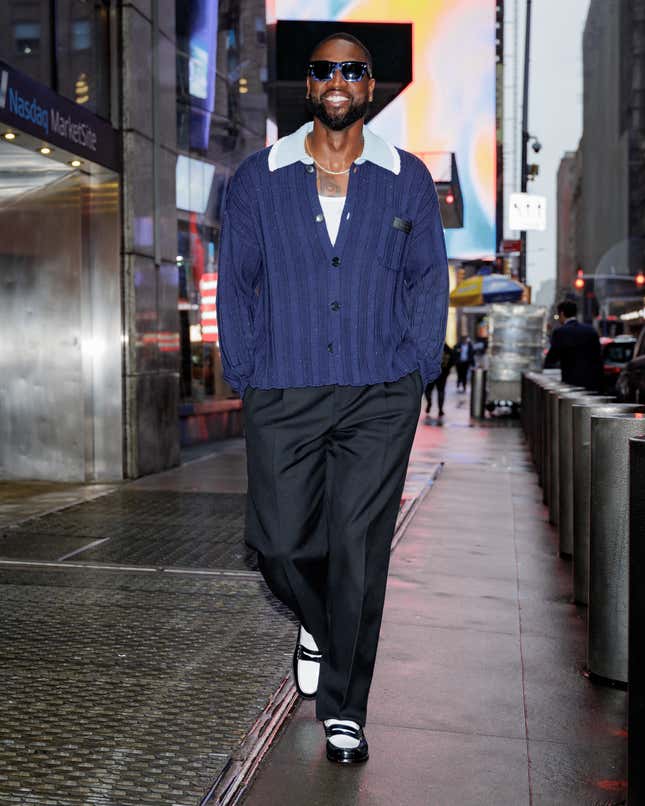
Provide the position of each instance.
(30, 107)
(527, 212)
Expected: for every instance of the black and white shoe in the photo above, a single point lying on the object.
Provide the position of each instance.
(346, 742)
(306, 664)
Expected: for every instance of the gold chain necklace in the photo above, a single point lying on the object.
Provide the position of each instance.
(322, 168)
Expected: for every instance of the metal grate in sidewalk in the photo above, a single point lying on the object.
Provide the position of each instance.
(130, 689)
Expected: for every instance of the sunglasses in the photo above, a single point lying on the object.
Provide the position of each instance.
(350, 71)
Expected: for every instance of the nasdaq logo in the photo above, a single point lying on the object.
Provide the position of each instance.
(29, 109)
(4, 82)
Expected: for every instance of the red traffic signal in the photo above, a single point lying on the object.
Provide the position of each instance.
(579, 282)
(640, 279)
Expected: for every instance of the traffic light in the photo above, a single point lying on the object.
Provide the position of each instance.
(640, 279)
(579, 282)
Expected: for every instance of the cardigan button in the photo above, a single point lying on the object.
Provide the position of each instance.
(330, 347)
(310, 169)
(335, 261)
(320, 217)
(335, 306)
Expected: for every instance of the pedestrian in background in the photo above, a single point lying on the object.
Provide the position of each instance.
(331, 240)
(447, 362)
(464, 359)
(576, 347)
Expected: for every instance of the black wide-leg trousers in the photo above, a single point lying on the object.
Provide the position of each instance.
(326, 468)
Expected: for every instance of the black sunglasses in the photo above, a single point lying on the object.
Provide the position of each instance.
(350, 71)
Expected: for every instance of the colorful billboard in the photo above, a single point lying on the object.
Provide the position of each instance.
(450, 104)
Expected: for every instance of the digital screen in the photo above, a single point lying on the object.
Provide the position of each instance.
(201, 69)
(450, 104)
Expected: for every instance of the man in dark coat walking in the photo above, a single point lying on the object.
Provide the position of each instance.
(576, 347)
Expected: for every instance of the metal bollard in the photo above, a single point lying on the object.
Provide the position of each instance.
(565, 473)
(636, 706)
(554, 452)
(607, 633)
(529, 380)
(582, 412)
(537, 382)
(478, 394)
(545, 406)
(542, 429)
(524, 396)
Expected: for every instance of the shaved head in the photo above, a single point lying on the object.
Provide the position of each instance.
(345, 37)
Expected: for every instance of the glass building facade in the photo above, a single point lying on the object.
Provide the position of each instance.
(221, 118)
(63, 44)
(127, 243)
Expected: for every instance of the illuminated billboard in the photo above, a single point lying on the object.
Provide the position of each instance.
(450, 104)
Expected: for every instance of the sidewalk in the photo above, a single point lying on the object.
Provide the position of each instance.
(143, 660)
(478, 697)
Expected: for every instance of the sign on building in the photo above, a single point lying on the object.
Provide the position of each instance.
(527, 212)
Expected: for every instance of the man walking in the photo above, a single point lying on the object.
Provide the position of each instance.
(576, 347)
(447, 360)
(464, 359)
(332, 305)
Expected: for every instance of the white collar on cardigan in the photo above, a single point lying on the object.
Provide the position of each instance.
(291, 148)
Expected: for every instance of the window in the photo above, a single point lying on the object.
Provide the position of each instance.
(81, 31)
(27, 37)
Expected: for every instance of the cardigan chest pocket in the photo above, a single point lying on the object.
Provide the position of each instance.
(395, 241)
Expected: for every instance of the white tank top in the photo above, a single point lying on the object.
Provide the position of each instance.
(332, 207)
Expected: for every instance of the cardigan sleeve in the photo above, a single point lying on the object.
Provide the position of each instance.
(427, 283)
(240, 262)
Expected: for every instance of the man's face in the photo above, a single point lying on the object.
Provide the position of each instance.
(338, 103)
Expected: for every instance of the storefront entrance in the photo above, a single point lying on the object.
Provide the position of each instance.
(60, 318)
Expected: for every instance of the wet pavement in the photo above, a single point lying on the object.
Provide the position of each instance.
(478, 696)
(143, 659)
(20, 500)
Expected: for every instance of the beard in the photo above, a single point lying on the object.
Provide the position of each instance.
(337, 123)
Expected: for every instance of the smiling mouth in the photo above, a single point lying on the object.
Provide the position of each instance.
(336, 98)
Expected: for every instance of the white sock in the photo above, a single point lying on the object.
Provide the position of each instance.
(342, 741)
(307, 640)
(308, 670)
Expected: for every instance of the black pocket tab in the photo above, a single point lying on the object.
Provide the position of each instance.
(402, 223)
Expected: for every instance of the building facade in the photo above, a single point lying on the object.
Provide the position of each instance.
(221, 119)
(612, 231)
(61, 400)
(566, 246)
(120, 126)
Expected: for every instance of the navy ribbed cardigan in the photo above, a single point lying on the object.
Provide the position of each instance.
(295, 310)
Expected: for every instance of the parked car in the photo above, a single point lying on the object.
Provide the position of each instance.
(630, 386)
(616, 353)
